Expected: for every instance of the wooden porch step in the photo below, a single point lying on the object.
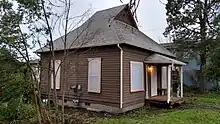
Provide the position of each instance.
(180, 101)
(162, 101)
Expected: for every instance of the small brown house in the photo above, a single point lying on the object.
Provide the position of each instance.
(112, 66)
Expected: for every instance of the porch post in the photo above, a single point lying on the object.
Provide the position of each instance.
(169, 83)
(181, 80)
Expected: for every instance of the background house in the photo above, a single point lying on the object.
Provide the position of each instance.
(191, 70)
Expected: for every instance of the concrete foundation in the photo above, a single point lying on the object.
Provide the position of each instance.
(100, 107)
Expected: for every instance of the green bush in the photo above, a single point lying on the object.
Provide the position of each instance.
(16, 111)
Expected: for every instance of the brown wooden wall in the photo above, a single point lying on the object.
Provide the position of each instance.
(77, 73)
(132, 54)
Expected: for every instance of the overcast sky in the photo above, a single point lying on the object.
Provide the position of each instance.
(151, 14)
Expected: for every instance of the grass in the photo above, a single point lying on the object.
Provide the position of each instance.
(190, 116)
(198, 114)
(208, 99)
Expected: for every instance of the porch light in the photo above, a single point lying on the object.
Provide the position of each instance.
(150, 68)
(177, 68)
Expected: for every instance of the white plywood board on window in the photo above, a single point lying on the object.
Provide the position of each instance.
(94, 75)
(137, 76)
(57, 74)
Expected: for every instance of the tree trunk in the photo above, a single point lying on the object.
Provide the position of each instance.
(67, 8)
(201, 82)
(203, 35)
(51, 45)
(49, 84)
(201, 73)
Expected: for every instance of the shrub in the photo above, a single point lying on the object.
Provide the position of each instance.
(16, 111)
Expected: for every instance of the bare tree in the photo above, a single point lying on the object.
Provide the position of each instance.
(133, 5)
(68, 24)
(67, 9)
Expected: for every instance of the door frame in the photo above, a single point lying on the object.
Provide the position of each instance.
(147, 82)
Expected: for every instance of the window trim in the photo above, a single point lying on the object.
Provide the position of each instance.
(100, 76)
(142, 65)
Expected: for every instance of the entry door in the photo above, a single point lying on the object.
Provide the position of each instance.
(154, 81)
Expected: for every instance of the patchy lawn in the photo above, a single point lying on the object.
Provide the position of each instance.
(199, 109)
(189, 116)
(208, 99)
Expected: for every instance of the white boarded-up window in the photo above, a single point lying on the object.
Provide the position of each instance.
(164, 76)
(136, 76)
(57, 73)
(94, 75)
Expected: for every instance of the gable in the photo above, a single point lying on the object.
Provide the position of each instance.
(126, 16)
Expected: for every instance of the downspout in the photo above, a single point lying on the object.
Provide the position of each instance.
(121, 76)
(169, 83)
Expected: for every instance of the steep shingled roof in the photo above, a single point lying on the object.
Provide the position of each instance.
(102, 29)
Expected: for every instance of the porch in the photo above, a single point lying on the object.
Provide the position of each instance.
(164, 80)
(163, 100)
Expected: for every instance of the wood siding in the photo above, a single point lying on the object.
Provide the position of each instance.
(77, 73)
(132, 54)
